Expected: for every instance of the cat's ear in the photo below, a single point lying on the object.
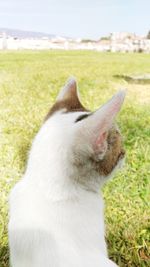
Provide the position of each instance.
(95, 127)
(69, 91)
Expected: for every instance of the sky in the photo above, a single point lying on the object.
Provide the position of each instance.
(76, 18)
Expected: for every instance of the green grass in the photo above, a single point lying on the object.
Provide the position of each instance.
(29, 82)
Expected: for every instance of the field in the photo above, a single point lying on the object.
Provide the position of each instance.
(29, 83)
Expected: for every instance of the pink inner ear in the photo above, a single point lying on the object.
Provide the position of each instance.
(101, 139)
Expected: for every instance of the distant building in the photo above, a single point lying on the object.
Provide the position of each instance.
(4, 41)
(115, 42)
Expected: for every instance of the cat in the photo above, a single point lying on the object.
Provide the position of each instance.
(56, 209)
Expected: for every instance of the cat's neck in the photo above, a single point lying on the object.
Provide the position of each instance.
(49, 167)
(51, 172)
(57, 182)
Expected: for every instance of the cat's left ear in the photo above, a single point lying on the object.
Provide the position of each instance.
(69, 91)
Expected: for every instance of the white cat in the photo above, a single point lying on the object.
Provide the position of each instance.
(56, 210)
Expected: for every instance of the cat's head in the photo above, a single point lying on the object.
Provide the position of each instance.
(91, 141)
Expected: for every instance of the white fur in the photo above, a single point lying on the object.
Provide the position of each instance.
(55, 220)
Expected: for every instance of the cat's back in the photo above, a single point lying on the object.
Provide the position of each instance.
(29, 203)
(62, 226)
(25, 205)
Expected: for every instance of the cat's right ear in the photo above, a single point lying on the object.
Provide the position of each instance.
(94, 129)
(69, 91)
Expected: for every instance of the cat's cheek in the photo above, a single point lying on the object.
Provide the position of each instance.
(120, 165)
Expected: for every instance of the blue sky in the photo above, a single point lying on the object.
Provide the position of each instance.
(76, 18)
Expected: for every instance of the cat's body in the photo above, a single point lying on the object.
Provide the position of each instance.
(56, 210)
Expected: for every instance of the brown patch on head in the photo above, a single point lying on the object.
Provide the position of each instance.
(114, 153)
(70, 105)
(67, 99)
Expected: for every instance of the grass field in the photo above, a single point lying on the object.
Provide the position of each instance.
(29, 82)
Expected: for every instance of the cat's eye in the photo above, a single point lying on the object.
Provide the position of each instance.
(82, 117)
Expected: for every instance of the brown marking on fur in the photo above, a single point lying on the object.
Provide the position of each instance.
(114, 153)
(70, 104)
(67, 99)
